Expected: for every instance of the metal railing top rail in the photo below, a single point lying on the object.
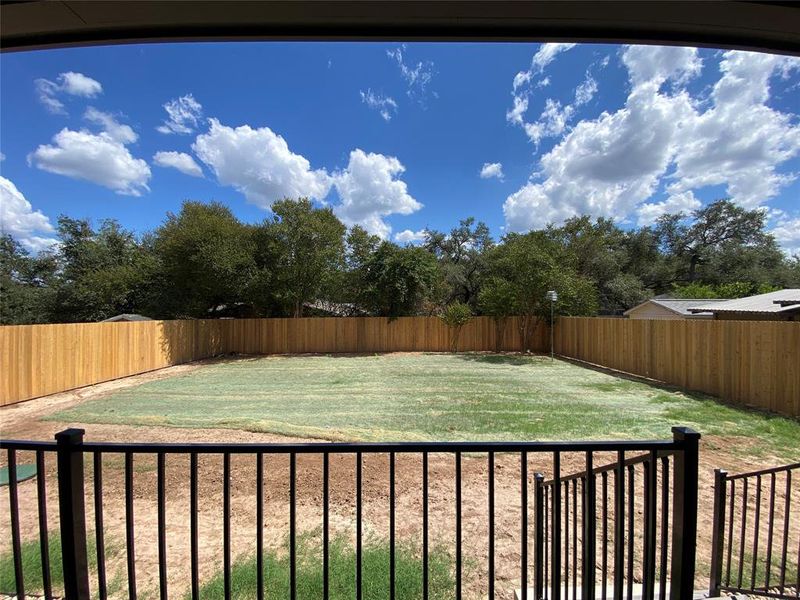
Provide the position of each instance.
(352, 447)
(635, 460)
(762, 472)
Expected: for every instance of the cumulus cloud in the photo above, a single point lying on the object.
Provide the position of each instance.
(370, 190)
(740, 141)
(180, 161)
(787, 233)
(258, 163)
(385, 105)
(661, 63)
(684, 202)
(71, 83)
(613, 165)
(101, 158)
(417, 77)
(183, 115)
(123, 134)
(407, 236)
(29, 227)
(492, 170)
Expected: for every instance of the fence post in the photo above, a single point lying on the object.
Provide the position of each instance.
(72, 512)
(718, 532)
(538, 548)
(589, 524)
(684, 513)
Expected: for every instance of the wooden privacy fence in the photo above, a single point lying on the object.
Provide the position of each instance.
(37, 360)
(752, 363)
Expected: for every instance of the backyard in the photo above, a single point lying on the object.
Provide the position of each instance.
(387, 397)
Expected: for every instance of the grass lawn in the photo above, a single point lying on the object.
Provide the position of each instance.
(427, 397)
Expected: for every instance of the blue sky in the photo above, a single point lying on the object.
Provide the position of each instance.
(397, 137)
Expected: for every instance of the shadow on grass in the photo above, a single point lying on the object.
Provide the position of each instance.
(517, 360)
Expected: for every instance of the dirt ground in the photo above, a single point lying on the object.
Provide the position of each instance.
(22, 422)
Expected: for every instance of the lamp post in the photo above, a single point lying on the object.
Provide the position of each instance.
(552, 295)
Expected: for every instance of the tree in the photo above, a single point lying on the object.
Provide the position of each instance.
(101, 272)
(303, 247)
(461, 256)
(497, 300)
(356, 283)
(205, 259)
(25, 284)
(715, 228)
(455, 316)
(599, 251)
(398, 281)
(530, 265)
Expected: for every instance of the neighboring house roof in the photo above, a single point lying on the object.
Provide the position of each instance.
(780, 302)
(679, 306)
(126, 317)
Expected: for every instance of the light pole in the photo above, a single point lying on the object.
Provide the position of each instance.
(552, 295)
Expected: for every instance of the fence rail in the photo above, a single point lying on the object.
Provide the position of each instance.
(753, 363)
(740, 532)
(542, 527)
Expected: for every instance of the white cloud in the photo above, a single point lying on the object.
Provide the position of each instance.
(684, 202)
(369, 191)
(180, 161)
(586, 90)
(417, 77)
(547, 54)
(258, 163)
(554, 118)
(517, 114)
(410, 237)
(740, 141)
(492, 170)
(184, 115)
(101, 158)
(787, 233)
(661, 63)
(612, 165)
(18, 219)
(74, 84)
(78, 84)
(123, 134)
(385, 105)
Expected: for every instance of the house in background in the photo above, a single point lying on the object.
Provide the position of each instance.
(125, 318)
(668, 308)
(783, 305)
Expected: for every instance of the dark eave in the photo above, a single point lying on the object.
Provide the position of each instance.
(766, 26)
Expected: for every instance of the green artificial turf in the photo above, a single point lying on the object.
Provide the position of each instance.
(428, 397)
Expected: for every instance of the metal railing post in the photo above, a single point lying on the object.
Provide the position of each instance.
(684, 513)
(589, 524)
(718, 532)
(538, 537)
(72, 513)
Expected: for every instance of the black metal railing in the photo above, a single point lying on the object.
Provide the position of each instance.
(553, 529)
(755, 546)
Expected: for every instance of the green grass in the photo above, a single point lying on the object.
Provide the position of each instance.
(429, 397)
(32, 564)
(375, 573)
